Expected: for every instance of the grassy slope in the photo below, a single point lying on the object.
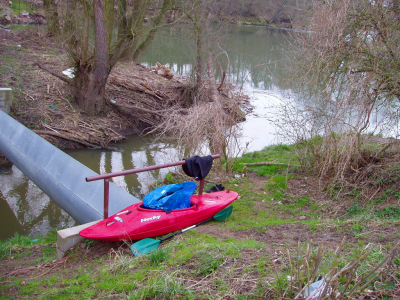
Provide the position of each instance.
(274, 231)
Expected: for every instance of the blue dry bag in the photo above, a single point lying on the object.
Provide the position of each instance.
(170, 197)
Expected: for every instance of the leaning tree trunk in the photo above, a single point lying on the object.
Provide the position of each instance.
(91, 79)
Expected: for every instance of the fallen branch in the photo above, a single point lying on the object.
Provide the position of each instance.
(133, 86)
(219, 88)
(133, 107)
(63, 78)
(51, 266)
(65, 136)
(222, 81)
(269, 163)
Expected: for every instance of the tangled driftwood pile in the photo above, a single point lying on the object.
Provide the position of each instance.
(136, 98)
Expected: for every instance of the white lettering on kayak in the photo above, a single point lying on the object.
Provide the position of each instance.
(150, 219)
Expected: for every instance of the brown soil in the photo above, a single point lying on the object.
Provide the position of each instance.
(326, 233)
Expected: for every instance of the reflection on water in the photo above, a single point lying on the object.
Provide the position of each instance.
(255, 54)
(27, 209)
(259, 130)
(134, 152)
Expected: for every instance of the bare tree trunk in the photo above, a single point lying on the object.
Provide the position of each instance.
(70, 25)
(122, 21)
(85, 30)
(90, 81)
(199, 48)
(109, 19)
(89, 90)
(211, 79)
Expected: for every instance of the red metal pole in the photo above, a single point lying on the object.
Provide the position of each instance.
(107, 177)
(134, 171)
(201, 187)
(106, 196)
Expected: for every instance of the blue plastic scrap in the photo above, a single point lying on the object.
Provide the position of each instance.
(170, 197)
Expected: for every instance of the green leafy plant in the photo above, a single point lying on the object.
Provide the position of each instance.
(388, 212)
(164, 287)
(354, 210)
(158, 256)
(19, 6)
(13, 245)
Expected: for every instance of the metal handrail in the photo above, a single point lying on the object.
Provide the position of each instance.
(107, 177)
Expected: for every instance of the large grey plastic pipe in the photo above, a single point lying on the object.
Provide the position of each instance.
(57, 174)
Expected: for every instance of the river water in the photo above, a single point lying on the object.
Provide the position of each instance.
(255, 56)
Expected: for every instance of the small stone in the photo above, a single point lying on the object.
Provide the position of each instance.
(303, 218)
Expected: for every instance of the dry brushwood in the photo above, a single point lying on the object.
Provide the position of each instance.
(163, 71)
(268, 164)
(210, 124)
(338, 283)
(205, 127)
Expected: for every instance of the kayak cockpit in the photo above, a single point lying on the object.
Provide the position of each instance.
(141, 207)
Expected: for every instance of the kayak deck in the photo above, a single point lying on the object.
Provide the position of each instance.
(137, 222)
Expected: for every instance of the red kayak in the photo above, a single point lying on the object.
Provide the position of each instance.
(137, 222)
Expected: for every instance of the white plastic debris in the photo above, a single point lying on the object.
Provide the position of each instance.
(69, 72)
(315, 290)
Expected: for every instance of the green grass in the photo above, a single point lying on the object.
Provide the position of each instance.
(277, 186)
(158, 256)
(388, 212)
(273, 154)
(19, 246)
(18, 6)
(15, 245)
(252, 21)
(149, 277)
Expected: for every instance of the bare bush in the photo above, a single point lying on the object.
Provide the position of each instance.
(206, 127)
(337, 278)
(346, 76)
